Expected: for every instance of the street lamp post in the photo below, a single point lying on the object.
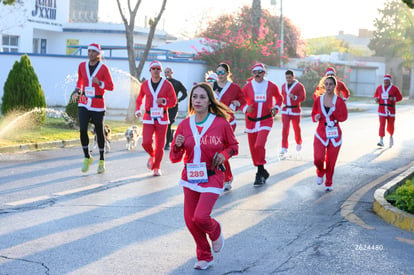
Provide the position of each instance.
(273, 3)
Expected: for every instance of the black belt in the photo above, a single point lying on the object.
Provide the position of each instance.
(211, 173)
(291, 106)
(389, 105)
(96, 96)
(259, 118)
(148, 112)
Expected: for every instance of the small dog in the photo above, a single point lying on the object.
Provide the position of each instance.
(132, 135)
(107, 135)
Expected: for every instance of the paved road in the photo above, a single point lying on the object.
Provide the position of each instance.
(57, 221)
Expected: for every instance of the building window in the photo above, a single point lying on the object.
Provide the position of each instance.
(10, 43)
(36, 45)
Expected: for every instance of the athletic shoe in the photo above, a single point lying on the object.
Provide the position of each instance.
(218, 244)
(157, 172)
(328, 189)
(202, 265)
(319, 180)
(86, 164)
(150, 163)
(260, 180)
(380, 143)
(101, 167)
(227, 185)
(391, 142)
(282, 154)
(265, 174)
(298, 147)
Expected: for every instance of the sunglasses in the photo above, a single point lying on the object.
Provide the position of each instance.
(210, 80)
(156, 68)
(220, 72)
(257, 72)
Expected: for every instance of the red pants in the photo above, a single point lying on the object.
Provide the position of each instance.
(197, 211)
(228, 175)
(148, 131)
(324, 159)
(286, 119)
(390, 125)
(257, 143)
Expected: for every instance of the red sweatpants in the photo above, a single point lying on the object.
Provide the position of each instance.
(197, 211)
(286, 119)
(389, 120)
(160, 131)
(257, 143)
(324, 159)
(228, 175)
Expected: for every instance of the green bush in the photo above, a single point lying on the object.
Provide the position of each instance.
(403, 197)
(72, 109)
(23, 93)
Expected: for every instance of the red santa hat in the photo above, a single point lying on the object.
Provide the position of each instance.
(258, 67)
(330, 70)
(387, 77)
(155, 64)
(95, 47)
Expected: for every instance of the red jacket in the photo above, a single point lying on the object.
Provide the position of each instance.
(292, 106)
(229, 93)
(262, 110)
(387, 97)
(338, 113)
(92, 96)
(164, 90)
(219, 138)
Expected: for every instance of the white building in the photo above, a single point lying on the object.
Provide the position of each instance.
(51, 27)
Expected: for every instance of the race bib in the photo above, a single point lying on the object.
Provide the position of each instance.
(83, 99)
(332, 132)
(156, 112)
(259, 97)
(197, 172)
(90, 91)
(384, 96)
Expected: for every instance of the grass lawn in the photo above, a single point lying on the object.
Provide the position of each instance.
(55, 129)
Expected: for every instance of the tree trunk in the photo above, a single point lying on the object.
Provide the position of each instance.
(149, 40)
(256, 15)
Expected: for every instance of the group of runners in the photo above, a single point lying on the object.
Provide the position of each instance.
(205, 139)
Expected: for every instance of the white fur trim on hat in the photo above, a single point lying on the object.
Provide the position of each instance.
(95, 47)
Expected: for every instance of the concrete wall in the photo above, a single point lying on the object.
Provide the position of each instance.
(58, 75)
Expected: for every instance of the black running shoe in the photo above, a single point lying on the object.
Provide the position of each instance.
(265, 174)
(260, 180)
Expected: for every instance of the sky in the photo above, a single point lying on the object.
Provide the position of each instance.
(315, 18)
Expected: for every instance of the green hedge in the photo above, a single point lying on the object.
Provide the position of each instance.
(403, 196)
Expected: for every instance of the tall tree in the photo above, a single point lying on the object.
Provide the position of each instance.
(229, 39)
(393, 35)
(256, 16)
(128, 16)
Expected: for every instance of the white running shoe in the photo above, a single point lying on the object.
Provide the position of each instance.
(380, 143)
(319, 180)
(391, 142)
(328, 189)
(298, 147)
(227, 185)
(283, 153)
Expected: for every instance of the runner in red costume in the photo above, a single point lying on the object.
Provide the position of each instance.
(260, 110)
(328, 110)
(386, 96)
(232, 96)
(159, 95)
(293, 93)
(93, 79)
(205, 140)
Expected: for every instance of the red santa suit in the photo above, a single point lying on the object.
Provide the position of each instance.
(92, 96)
(291, 111)
(155, 118)
(259, 122)
(328, 136)
(229, 93)
(201, 182)
(387, 97)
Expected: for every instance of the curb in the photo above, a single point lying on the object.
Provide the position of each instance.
(386, 210)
